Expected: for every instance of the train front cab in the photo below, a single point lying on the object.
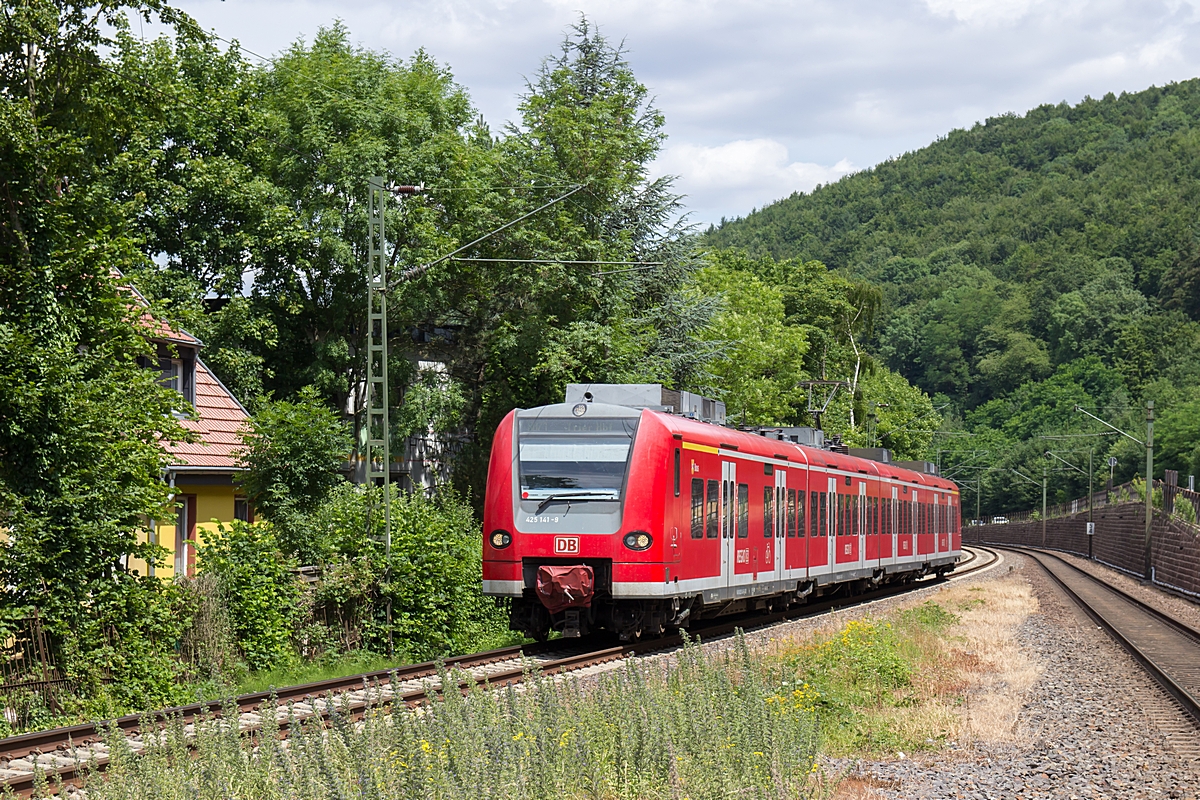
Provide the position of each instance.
(571, 485)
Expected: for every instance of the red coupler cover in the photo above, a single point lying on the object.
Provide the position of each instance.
(565, 587)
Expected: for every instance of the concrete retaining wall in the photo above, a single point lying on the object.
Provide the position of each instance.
(1175, 546)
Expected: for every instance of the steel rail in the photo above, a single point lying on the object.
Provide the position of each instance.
(1186, 639)
(323, 695)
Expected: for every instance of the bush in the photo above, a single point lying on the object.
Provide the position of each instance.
(256, 582)
(438, 607)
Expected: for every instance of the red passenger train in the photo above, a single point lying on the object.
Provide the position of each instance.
(632, 520)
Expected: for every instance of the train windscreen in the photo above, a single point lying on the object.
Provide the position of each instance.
(584, 459)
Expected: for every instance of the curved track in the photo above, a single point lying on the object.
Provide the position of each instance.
(71, 752)
(1168, 649)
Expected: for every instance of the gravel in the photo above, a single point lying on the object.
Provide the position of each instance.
(1094, 725)
(1180, 608)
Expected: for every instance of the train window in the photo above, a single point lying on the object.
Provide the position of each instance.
(583, 457)
(743, 510)
(677, 472)
(874, 516)
(768, 469)
(768, 504)
(712, 529)
(727, 509)
(791, 514)
(800, 513)
(815, 516)
(823, 507)
(697, 508)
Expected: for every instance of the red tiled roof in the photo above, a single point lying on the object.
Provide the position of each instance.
(219, 419)
(158, 330)
(155, 328)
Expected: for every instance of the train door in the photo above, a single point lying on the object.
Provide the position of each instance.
(893, 518)
(782, 510)
(947, 525)
(835, 524)
(817, 545)
(937, 523)
(864, 522)
(728, 511)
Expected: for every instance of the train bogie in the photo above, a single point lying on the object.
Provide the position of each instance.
(606, 517)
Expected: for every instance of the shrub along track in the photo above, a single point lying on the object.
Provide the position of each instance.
(1166, 648)
(67, 755)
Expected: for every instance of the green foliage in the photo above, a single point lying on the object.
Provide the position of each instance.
(780, 323)
(437, 605)
(859, 678)
(81, 421)
(292, 453)
(254, 578)
(759, 372)
(929, 616)
(433, 580)
(706, 727)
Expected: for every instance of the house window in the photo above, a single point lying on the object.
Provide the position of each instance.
(178, 374)
(172, 373)
(242, 510)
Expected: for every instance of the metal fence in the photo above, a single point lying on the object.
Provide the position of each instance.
(1183, 505)
(30, 683)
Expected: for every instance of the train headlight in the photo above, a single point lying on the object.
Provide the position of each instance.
(501, 539)
(637, 540)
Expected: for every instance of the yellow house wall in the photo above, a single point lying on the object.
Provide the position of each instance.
(214, 504)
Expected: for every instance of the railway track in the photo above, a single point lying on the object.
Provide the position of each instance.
(1166, 648)
(67, 755)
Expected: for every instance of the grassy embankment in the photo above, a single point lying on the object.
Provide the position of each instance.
(745, 722)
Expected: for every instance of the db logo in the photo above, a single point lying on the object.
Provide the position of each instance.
(566, 545)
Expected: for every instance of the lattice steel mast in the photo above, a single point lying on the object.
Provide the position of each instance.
(379, 454)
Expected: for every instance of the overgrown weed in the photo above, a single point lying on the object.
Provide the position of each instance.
(707, 726)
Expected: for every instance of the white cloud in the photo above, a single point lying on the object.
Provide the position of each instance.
(981, 11)
(727, 180)
(780, 89)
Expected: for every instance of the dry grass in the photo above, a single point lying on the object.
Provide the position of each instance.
(966, 674)
(972, 684)
(995, 671)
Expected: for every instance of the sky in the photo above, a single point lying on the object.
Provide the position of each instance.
(763, 98)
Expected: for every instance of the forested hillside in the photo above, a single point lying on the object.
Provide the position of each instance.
(1027, 264)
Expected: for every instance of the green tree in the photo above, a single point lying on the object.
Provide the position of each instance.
(759, 373)
(292, 452)
(81, 421)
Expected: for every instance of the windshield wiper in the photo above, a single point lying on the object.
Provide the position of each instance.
(569, 496)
